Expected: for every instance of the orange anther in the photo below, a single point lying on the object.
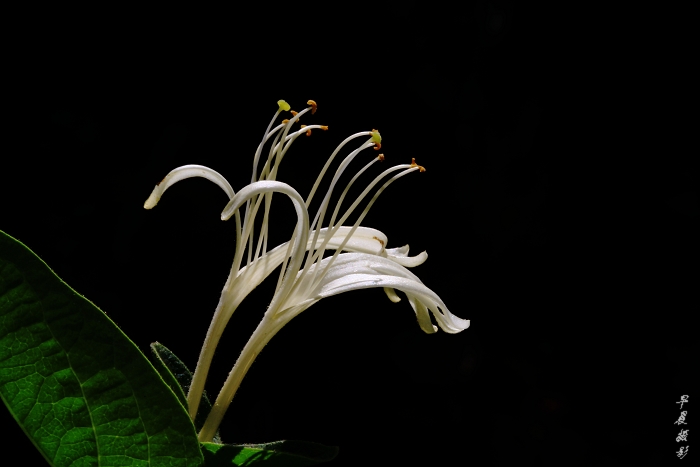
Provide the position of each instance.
(285, 121)
(413, 164)
(294, 113)
(324, 127)
(380, 157)
(313, 105)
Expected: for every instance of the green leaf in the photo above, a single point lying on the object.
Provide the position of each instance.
(278, 453)
(172, 370)
(79, 388)
(176, 374)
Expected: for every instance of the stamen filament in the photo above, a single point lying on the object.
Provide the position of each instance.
(328, 163)
(274, 151)
(271, 174)
(335, 212)
(318, 254)
(362, 216)
(268, 197)
(321, 212)
(347, 188)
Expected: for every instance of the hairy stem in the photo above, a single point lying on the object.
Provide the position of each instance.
(263, 333)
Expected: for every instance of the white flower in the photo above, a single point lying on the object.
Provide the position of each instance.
(366, 262)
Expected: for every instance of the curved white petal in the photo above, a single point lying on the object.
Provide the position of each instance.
(401, 251)
(391, 293)
(414, 290)
(360, 263)
(364, 239)
(183, 172)
(301, 231)
(422, 315)
(400, 255)
(249, 277)
(354, 271)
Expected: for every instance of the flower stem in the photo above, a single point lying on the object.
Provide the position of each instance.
(262, 335)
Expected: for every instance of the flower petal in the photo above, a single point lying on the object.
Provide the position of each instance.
(423, 316)
(183, 172)
(354, 271)
(301, 231)
(364, 239)
(400, 255)
(391, 293)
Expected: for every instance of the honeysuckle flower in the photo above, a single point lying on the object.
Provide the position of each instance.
(305, 275)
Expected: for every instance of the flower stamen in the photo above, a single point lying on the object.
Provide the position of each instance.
(317, 255)
(313, 105)
(413, 164)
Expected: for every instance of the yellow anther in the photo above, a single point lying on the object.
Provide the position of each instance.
(313, 106)
(283, 105)
(302, 126)
(380, 157)
(376, 139)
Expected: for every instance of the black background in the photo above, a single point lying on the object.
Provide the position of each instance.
(558, 215)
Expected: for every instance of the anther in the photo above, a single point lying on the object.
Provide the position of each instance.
(324, 127)
(283, 105)
(376, 139)
(313, 105)
(294, 113)
(380, 157)
(413, 164)
(285, 121)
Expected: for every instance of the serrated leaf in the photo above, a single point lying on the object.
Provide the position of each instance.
(176, 374)
(79, 388)
(275, 454)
